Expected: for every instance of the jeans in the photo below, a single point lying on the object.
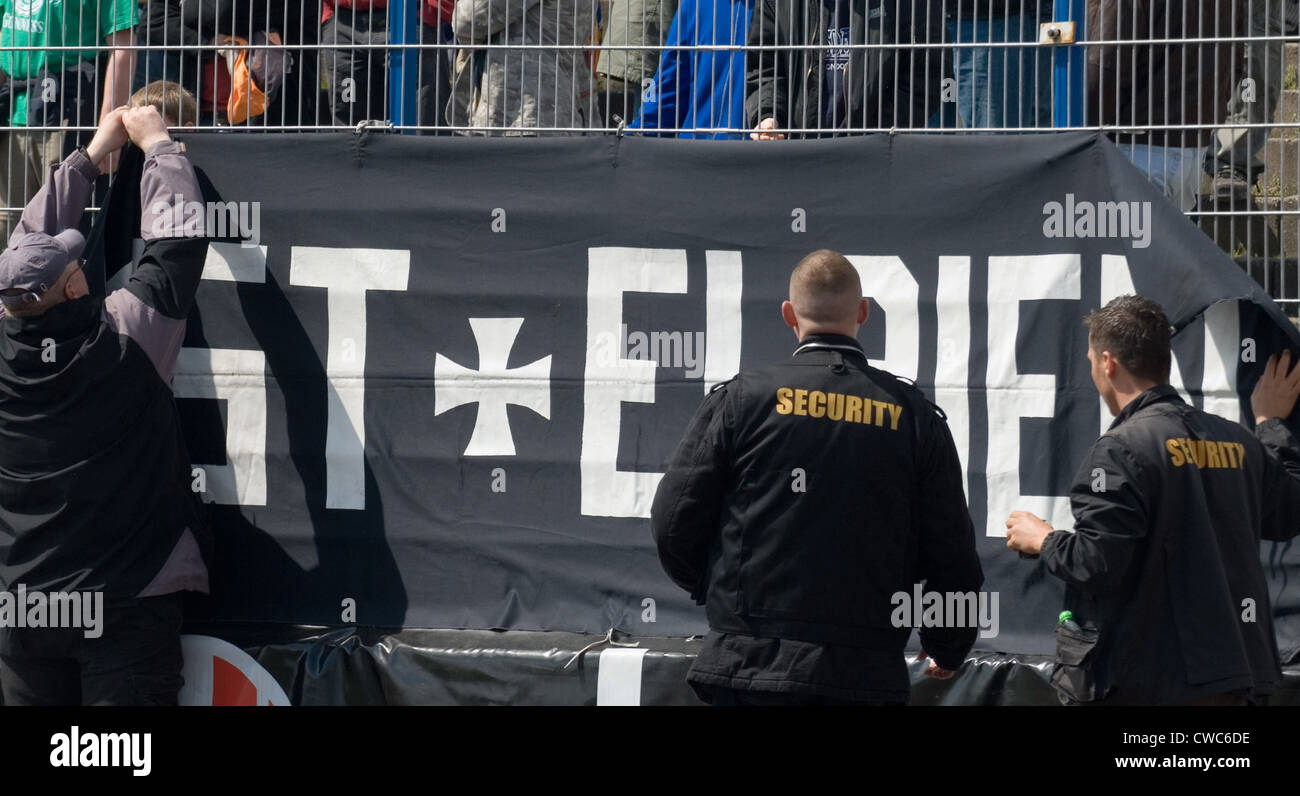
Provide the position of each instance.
(1174, 170)
(1002, 86)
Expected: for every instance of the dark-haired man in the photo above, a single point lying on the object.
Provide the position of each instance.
(804, 497)
(1165, 593)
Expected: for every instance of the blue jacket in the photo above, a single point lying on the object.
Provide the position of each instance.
(700, 88)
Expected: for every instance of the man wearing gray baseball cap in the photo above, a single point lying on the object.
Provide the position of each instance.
(33, 263)
(95, 498)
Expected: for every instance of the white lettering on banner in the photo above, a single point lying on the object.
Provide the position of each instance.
(492, 386)
(347, 274)
(234, 262)
(726, 276)
(611, 272)
(894, 289)
(952, 371)
(238, 378)
(1222, 349)
(1117, 280)
(611, 378)
(1012, 395)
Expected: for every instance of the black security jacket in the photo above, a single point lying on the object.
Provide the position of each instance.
(1162, 571)
(795, 529)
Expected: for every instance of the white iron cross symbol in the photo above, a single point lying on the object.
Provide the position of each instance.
(492, 386)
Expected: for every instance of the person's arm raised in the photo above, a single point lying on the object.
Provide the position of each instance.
(62, 200)
(153, 306)
(1272, 401)
(169, 194)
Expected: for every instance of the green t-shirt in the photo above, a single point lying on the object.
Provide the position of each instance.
(56, 23)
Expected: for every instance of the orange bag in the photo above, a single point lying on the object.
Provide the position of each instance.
(246, 99)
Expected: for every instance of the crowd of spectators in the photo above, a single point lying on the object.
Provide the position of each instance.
(760, 69)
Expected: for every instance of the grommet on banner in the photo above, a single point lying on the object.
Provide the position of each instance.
(608, 639)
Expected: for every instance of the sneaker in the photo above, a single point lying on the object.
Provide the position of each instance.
(1230, 183)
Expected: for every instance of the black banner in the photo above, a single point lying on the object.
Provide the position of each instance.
(437, 383)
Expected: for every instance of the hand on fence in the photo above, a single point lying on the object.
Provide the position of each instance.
(767, 124)
(109, 139)
(1275, 393)
(145, 126)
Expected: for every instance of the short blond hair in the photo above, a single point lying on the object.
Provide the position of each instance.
(176, 105)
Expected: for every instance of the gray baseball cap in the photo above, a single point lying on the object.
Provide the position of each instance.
(34, 261)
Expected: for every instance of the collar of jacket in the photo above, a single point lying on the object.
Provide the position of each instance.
(830, 342)
(1155, 395)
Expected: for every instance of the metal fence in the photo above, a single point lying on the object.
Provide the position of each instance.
(1200, 94)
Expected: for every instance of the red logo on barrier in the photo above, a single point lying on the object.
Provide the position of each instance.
(219, 673)
(230, 686)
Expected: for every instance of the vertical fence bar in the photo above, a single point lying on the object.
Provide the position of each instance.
(1069, 68)
(403, 61)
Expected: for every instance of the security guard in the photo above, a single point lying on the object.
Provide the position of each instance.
(803, 498)
(1165, 592)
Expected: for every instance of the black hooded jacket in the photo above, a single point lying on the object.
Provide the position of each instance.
(885, 87)
(1162, 570)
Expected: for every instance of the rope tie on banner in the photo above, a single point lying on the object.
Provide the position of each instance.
(373, 124)
(608, 639)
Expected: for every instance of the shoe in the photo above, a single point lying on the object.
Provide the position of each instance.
(1230, 184)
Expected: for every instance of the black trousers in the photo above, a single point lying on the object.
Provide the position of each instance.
(135, 661)
(358, 78)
